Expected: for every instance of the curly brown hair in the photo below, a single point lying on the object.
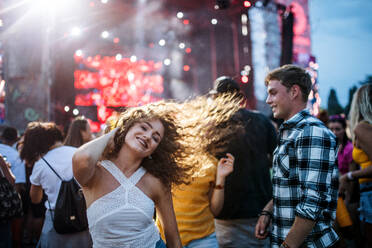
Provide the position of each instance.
(194, 132)
(38, 138)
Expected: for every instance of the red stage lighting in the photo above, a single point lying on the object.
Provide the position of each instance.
(186, 22)
(244, 79)
(247, 4)
(116, 40)
(186, 68)
(188, 50)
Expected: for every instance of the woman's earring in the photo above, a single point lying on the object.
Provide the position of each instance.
(149, 157)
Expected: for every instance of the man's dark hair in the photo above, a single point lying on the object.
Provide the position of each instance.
(10, 134)
(290, 75)
(225, 84)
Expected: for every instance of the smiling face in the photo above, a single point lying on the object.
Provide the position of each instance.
(144, 137)
(279, 99)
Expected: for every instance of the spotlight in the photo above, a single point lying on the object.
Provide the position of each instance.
(67, 108)
(75, 111)
(133, 58)
(105, 34)
(179, 15)
(79, 53)
(214, 21)
(167, 61)
(247, 4)
(76, 31)
(162, 42)
(118, 57)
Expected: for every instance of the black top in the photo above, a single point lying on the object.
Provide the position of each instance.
(248, 188)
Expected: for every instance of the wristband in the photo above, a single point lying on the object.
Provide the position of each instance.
(218, 186)
(265, 212)
(349, 176)
(284, 245)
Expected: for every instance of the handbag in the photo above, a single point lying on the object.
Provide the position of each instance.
(10, 201)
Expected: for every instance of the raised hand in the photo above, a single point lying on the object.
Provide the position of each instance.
(225, 166)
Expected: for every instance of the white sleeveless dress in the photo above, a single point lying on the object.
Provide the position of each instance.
(123, 217)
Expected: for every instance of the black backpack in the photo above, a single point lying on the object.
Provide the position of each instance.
(70, 212)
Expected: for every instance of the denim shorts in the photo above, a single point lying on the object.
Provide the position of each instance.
(365, 209)
(207, 242)
(160, 244)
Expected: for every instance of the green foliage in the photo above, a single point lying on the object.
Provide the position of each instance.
(334, 106)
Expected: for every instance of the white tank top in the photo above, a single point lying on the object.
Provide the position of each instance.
(123, 217)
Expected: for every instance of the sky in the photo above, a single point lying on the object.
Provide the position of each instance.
(341, 34)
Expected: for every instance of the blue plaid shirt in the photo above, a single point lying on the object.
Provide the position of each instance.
(305, 180)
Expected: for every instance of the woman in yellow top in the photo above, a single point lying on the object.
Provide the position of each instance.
(196, 203)
(361, 127)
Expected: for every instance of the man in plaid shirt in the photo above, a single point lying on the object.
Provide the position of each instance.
(305, 175)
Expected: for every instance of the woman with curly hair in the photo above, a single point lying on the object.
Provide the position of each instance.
(130, 170)
(43, 143)
(361, 129)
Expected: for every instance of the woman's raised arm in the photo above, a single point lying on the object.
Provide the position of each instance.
(86, 157)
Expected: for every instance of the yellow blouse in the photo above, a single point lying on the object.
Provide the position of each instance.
(360, 157)
(191, 206)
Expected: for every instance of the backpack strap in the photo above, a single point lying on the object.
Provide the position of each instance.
(52, 168)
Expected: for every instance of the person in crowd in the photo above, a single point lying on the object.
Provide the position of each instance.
(130, 170)
(198, 202)
(78, 133)
(346, 227)
(337, 124)
(44, 140)
(305, 175)
(248, 188)
(8, 138)
(5, 224)
(361, 129)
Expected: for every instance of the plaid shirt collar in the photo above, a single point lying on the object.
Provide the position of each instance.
(297, 118)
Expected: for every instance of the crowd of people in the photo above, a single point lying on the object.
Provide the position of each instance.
(206, 172)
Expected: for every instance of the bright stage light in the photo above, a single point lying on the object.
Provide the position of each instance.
(75, 111)
(1, 23)
(247, 4)
(133, 58)
(167, 62)
(104, 1)
(181, 45)
(162, 42)
(179, 15)
(79, 53)
(75, 31)
(118, 57)
(214, 21)
(67, 108)
(105, 34)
